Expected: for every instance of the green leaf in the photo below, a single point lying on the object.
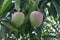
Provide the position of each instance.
(1, 1)
(1, 34)
(56, 6)
(7, 5)
(49, 35)
(10, 26)
(17, 5)
(25, 6)
(38, 31)
(34, 5)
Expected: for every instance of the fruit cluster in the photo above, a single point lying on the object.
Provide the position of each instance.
(35, 17)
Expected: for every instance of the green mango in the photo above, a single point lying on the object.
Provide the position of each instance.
(36, 18)
(18, 18)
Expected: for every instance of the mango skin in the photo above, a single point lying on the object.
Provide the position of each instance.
(36, 18)
(18, 18)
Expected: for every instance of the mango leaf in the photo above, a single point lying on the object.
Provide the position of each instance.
(1, 34)
(1, 1)
(10, 26)
(38, 31)
(25, 6)
(43, 3)
(58, 2)
(56, 6)
(50, 35)
(42, 6)
(4, 30)
(34, 6)
(17, 5)
(7, 4)
(52, 11)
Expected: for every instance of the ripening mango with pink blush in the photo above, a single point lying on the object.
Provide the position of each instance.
(36, 18)
(18, 18)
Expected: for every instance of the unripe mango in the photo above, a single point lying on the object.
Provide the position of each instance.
(18, 18)
(36, 18)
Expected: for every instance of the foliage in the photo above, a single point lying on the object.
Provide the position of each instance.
(48, 30)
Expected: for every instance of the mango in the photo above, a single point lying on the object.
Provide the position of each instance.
(36, 18)
(18, 18)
